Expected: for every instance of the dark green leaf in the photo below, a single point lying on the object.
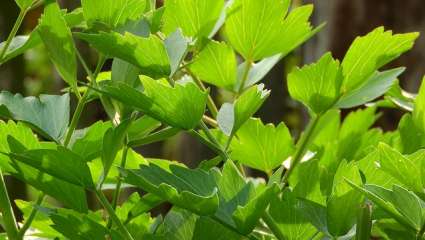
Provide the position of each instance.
(48, 114)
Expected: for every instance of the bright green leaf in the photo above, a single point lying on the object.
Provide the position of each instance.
(317, 85)
(368, 53)
(24, 4)
(262, 147)
(196, 18)
(256, 30)
(216, 64)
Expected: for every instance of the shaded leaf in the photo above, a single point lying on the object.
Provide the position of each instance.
(57, 38)
(176, 45)
(48, 114)
(190, 189)
(149, 54)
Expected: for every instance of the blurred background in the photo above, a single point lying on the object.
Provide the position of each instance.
(33, 74)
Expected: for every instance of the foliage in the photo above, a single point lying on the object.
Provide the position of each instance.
(340, 179)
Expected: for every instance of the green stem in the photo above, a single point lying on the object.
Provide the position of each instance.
(83, 100)
(112, 215)
(31, 217)
(301, 148)
(245, 76)
(210, 102)
(119, 182)
(273, 226)
(12, 34)
(213, 140)
(9, 219)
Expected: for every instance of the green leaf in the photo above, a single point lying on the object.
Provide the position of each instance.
(216, 65)
(112, 13)
(57, 38)
(196, 18)
(368, 53)
(232, 116)
(242, 203)
(113, 140)
(194, 190)
(343, 201)
(181, 106)
(257, 70)
(412, 137)
(142, 127)
(382, 197)
(419, 108)
(409, 205)
(286, 212)
(256, 30)
(400, 167)
(317, 85)
(364, 223)
(149, 54)
(68, 194)
(262, 147)
(88, 142)
(24, 4)
(375, 86)
(77, 226)
(48, 114)
(60, 163)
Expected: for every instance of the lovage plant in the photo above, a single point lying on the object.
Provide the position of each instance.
(340, 179)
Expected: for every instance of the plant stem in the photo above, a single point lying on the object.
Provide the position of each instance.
(9, 219)
(301, 148)
(12, 34)
(210, 102)
(273, 226)
(83, 100)
(31, 217)
(112, 215)
(213, 140)
(231, 228)
(119, 182)
(245, 76)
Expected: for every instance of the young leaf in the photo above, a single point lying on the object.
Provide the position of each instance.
(257, 30)
(196, 18)
(58, 41)
(216, 64)
(181, 106)
(262, 147)
(48, 114)
(375, 86)
(400, 167)
(317, 85)
(368, 53)
(194, 190)
(149, 54)
(232, 116)
(112, 13)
